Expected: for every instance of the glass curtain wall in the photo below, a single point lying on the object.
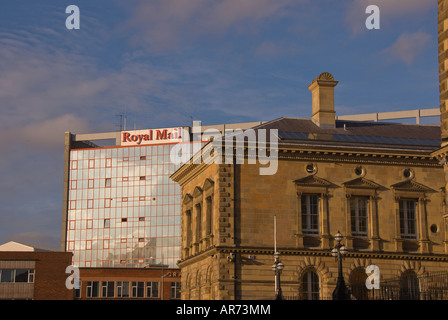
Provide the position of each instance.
(124, 210)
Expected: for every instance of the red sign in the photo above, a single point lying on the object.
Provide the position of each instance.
(151, 136)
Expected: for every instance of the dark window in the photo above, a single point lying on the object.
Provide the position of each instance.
(7, 275)
(358, 214)
(408, 221)
(310, 214)
(310, 286)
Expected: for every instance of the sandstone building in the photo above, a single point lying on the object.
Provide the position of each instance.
(381, 185)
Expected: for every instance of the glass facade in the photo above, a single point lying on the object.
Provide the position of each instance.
(123, 209)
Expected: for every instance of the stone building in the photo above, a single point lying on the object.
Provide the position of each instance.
(379, 184)
(382, 185)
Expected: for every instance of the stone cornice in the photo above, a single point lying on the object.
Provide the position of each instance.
(340, 154)
(310, 252)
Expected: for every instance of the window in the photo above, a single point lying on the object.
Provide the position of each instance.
(74, 164)
(108, 289)
(17, 275)
(106, 223)
(358, 215)
(143, 178)
(108, 162)
(310, 214)
(138, 289)
(107, 203)
(310, 286)
(152, 289)
(91, 163)
(175, 290)
(408, 222)
(124, 219)
(409, 286)
(89, 224)
(93, 289)
(107, 183)
(89, 203)
(90, 184)
(188, 227)
(72, 204)
(142, 157)
(198, 222)
(74, 185)
(123, 289)
(7, 275)
(78, 292)
(209, 206)
(141, 218)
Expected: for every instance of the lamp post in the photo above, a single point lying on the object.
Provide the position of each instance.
(340, 292)
(277, 267)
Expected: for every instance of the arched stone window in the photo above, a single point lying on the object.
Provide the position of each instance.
(310, 287)
(409, 286)
(358, 287)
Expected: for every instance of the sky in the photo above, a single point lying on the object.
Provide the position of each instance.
(164, 63)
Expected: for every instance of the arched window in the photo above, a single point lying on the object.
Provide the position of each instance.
(310, 286)
(409, 286)
(358, 287)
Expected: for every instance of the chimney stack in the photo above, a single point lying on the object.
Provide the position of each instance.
(322, 89)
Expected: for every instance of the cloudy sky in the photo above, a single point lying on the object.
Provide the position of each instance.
(166, 62)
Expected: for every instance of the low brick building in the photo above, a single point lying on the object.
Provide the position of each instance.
(33, 273)
(129, 283)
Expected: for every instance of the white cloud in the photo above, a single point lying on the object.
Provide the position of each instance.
(408, 46)
(162, 24)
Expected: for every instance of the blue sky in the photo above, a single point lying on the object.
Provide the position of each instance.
(166, 62)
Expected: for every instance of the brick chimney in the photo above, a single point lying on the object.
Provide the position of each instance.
(322, 89)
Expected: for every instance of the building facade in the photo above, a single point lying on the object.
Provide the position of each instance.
(158, 283)
(120, 209)
(31, 273)
(379, 184)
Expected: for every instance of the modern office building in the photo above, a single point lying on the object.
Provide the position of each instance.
(120, 208)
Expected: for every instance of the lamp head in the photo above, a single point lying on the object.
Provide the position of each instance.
(338, 237)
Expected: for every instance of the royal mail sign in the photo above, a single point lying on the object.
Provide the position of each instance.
(151, 136)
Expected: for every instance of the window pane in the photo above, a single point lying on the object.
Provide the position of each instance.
(21, 275)
(7, 275)
(310, 214)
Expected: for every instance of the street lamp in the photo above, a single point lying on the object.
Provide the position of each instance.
(340, 292)
(277, 267)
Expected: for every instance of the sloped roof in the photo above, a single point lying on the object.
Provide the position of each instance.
(16, 246)
(303, 131)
